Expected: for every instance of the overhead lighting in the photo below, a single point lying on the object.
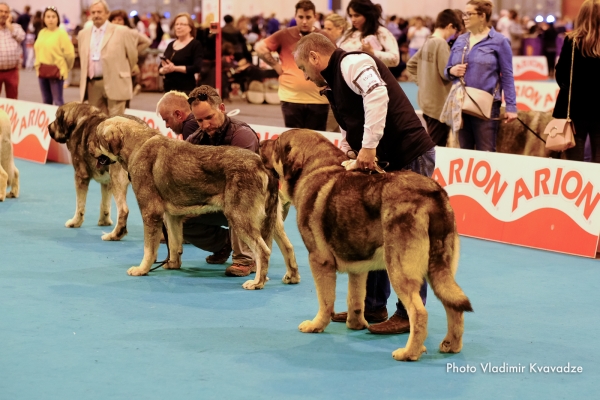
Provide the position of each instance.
(550, 19)
(539, 18)
(133, 14)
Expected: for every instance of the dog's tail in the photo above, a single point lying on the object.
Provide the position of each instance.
(441, 277)
(271, 207)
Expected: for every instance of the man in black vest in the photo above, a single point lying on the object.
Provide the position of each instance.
(217, 129)
(377, 120)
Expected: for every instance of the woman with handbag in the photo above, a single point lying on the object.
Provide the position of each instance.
(54, 57)
(576, 99)
(481, 60)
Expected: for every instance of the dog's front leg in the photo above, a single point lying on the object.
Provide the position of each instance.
(3, 182)
(357, 291)
(104, 219)
(81, 188)
(175, 231)
(292, 274)
(152, 228)
(118, 187)
(323, 271)
(14, 186)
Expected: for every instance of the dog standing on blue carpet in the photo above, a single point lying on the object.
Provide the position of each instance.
(74, 125)
(9, 174)
(355, 223)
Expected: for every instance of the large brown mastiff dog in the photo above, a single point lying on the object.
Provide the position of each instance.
(176, 179)
(75, 124)
(352, 222)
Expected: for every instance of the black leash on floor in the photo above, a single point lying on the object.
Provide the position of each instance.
(161, 263)
(531, 130)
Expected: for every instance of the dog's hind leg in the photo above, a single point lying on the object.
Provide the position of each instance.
(104, 219)
(14, 186)
(81, 188)
(118, 186)
(323, 271)
(262, 253)
(357, 291)
(175, 231)
(3, 183)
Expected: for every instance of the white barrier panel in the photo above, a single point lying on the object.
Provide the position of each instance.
(530, 68)
(536, 96)
(529, 201)
(29, 122)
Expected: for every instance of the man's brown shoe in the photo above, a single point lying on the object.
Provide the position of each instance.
(373, 317)
(221, 256)
(392, 326)
(240, 270)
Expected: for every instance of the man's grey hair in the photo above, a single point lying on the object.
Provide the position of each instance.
(212, 96)
(313, 42)
(173, 100)
(103, 2)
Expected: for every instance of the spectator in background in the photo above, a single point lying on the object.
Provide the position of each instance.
(140, 26)
(585, 37)
(428, 66)
(393, 27)
(272, 25)
(335, 26)
(516, 33)
(53, 47)
(36, 23)
(238, 41)
(548, 36)
(368, 34)
(24, 19)
(156, 30)
(417, 34)
(11, 36)
(483, 58)
(301, 103)
(503, 24)
(183, 56)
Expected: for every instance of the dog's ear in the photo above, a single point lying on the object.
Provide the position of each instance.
(267, 152)
(111, 135)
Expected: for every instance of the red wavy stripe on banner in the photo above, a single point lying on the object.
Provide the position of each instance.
(545, 228)
(531, 76)
(523, 107)
(30, 149)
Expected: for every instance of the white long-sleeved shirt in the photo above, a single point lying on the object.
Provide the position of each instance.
(362, 76)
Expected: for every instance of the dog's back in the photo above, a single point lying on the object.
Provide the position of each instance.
(9, 174)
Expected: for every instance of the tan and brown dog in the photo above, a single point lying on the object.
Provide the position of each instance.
(355, 223)
(75, 125)
(174, 179)
(9, 174)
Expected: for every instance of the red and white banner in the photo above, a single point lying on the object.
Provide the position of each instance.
(529, 201)
(536, 96)
(530, 68)
(29, 123)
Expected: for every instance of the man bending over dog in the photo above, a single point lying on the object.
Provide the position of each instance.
(214, 128)
(174, 109)
(377, 121)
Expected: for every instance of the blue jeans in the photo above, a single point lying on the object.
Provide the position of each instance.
(52, 91)
(479, 134)
(378, 283)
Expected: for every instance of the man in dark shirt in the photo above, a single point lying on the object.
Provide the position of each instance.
(217, 129)
(174, 109)
(23, 20)
(377, 120)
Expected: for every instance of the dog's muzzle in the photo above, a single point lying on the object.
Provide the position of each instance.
(103, 161)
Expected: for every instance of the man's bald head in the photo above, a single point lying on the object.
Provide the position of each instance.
(173, 108)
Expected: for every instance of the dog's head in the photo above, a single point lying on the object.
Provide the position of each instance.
(68, 117)
(106, 145)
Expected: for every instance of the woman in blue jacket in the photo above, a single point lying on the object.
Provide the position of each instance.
(487, 66)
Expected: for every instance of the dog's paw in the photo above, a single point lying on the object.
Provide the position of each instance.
(310, 327)
(12, 195)
(136, 271)
(402, 354)
(290, 279)
(449, 346)
(172, 265)
(2, 198)
(111, 237)
(252, 285)
(106, 221)
(74, 223)
(357, 324)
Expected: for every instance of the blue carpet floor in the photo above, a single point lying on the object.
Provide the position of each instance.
(73, 325)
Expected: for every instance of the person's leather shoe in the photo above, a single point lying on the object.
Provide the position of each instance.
(372, 317)
(240, 270)
(392, 326)
(221, 256)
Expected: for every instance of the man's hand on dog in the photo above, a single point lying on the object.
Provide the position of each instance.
(366, 159)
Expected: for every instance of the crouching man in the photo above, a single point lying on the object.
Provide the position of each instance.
(204, 110)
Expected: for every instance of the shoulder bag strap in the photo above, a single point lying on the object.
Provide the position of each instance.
(571, 82)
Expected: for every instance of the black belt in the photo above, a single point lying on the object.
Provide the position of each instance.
(96, 78)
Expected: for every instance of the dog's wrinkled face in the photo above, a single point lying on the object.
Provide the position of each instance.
(67, 117)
